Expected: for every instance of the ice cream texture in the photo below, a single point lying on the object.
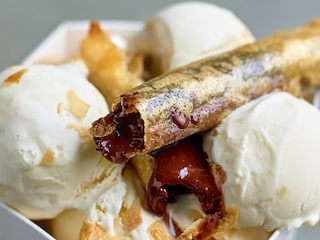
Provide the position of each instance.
(116, 212)
(269, 151)
(185, 32)
(122, 213)
(49, 164)
(47, 154)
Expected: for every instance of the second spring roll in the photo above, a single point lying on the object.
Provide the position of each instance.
(198, 96)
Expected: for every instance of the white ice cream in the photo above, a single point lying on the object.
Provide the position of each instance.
(185, 32)
(47, 155)
(118, 209)
(270, 151)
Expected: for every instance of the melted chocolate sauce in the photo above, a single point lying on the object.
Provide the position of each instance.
(183, 168)
(128, 135)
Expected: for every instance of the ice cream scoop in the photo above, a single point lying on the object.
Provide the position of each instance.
(269, 151)
(47, 155)
(120, 212)
(185, 32)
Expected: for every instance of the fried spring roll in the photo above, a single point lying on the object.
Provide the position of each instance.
(198, 96)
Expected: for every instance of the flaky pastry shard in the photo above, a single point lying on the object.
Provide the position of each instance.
(111, 69)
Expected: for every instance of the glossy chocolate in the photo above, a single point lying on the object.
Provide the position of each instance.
(127, 134)
(183, 168)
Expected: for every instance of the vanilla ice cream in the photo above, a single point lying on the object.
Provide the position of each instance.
(269, 151)
(117, 212)
(47, 154)
(185, 32)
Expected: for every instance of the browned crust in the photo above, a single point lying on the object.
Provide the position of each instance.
(93, 231)
(200, 231)
(107, 64)
(157, 231)
(131, 218)
(15, 78)
(206, 91)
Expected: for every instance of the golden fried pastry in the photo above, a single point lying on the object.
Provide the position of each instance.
(198, 96)
(108, 64)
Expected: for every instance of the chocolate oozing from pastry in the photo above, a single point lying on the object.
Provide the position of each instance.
(198, 96)
(126, 132)
(183, 167)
